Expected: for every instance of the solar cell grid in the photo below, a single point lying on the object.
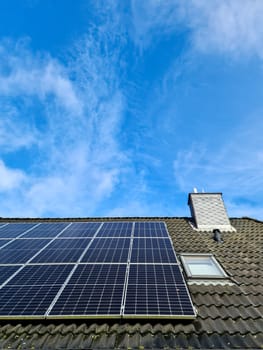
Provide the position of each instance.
(4, 241)
(46, 230)
(150, 229)
(157, 290)
(14, 230)
(152, 250)
(152, 243)
(16, 256)
(116, 229)
(75, 243)
(99, 274)
(110, 243)
(81, 229)
(108, 250)
(158, 300)
(98, 285)
(28, 244)
(58, 256)
(155, 274)
(26, 300)
(92, 290)
(89, 300)
(41, 275)
(7, 271)
(106, 256)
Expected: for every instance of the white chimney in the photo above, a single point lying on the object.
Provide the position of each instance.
(209, 212)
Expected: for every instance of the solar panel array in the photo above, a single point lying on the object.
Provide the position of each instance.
(90, 269)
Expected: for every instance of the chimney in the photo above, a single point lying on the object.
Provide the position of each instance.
(209, 212)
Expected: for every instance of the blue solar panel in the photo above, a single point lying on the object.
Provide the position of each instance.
(58, 256)
(100, 288)
(112, 250)
(26, 300)
(81, 229)
(93, 269)
(46, 230)
(14, 230)
(95, 300)
(152, 250)
(69, 243)
(110, 243)
(106, 256)
(157, 290)
(16, 256)
(41, 275)
(27, 244)
(116, 229)
(7, 271)
(150, 229)
(4, 241)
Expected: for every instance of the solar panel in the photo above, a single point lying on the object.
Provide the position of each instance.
(76, 243)
(81, 229)
(41, 275)
(4, 242)
(110, 250)
(27, 244)
(14, 230)
(92, 290)
(26, 300)
(150, 229)
(46, 230)
(116, 229)
(7, 271)
(90, 269)
(16, 256)
(157, 290)
(58, 256)
(152, 250)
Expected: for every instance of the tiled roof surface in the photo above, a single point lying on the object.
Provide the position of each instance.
(229, 316)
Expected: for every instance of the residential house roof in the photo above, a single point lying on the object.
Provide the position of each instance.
(230, 315)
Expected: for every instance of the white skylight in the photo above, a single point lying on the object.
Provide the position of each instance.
(202, 266)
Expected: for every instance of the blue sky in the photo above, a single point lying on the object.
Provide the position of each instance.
(120, 108)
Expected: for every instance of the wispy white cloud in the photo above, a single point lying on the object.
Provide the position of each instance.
(230, 27)
(26, 75)
(68, 117)
(219, 26)
(152, 19)
(10, 179)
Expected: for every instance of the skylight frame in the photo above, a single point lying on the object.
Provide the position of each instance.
(206, 257)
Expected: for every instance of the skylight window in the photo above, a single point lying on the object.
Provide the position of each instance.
(202, 266)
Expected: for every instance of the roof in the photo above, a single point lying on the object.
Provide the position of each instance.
(229, 316)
